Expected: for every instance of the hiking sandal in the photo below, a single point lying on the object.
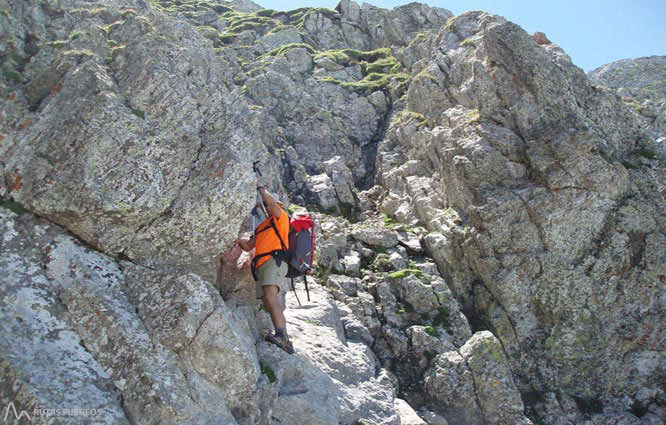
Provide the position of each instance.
(281, 341)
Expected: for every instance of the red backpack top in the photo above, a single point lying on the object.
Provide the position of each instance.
(301, 245)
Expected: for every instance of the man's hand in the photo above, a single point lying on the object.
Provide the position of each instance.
(246, 245)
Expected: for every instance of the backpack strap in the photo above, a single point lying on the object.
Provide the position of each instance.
(253, 266)
(279, 255)
(284, 247)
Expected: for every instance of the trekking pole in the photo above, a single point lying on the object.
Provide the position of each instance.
(255, 167)
(293, 288)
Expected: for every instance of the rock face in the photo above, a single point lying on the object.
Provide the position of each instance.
(647, 75)
(534, 186)
(491, 244)
(642, 85)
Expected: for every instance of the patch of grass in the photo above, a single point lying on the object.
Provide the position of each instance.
(346, 57)
(385, 65)
(268, 371)
(382, 263)
(14, 206)
(109, 28)
(268, 13)
(79, 54)
(12, 76)
(473, 115)
(337, 56)
(431, 331)
(442, 318)
(633, 104)
(293, 208)
(31, 49)
(139, 113)
(280, 51)
(646, 153)
(242, 22)
(328, 79)
(389, 221)
(450, 22)
(404, 117)
(18, 59)
(75, 35)
(115, 51)
(375, 81)
(629, 165)
(405, 272)
(57, 43)
(299, 16)
(379, 68)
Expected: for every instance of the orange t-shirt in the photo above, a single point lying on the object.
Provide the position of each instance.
(267, 240)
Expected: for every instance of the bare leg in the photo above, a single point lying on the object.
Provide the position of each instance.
(272, 303)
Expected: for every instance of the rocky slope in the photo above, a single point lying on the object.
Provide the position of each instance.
(492, 244)
(642, 84)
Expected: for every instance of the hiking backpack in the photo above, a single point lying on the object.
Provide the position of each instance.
(300, 255)
(301, 249)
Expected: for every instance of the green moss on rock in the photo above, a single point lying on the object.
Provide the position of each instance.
(15, 207)
(268, 371)
(431, 331)
(400, 274)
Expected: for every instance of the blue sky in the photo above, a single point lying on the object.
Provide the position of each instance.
(592, 32)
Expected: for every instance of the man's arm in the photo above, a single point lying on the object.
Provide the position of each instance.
(247, 245)
(272, 206)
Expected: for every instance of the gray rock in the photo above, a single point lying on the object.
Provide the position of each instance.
(346, 284)
(399, 262)
(432, 418)
(407, 415)
(352, 264)
(355, 330)
(280, 38)
(171, 307)
(322, 187)
(148, 375)
(502, 222)
(497, 393)
(342, 179)
(375, 236)
(43, 363)
(223, 352)
(645, 74)
(410, 240)
(475, 385)
(134, 127)
(326, 367)
(146, 165)
(450, 387)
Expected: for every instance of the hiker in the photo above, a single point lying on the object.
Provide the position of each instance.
(270, 264)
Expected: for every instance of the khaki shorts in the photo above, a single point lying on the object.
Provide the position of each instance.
(270, 274)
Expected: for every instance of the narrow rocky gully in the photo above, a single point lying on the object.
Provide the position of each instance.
(490, 235)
